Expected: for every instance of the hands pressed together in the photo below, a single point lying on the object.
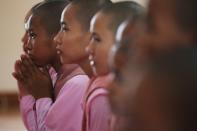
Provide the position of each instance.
(32, 79)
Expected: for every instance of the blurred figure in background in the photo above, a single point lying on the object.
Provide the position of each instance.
(163, 95)
(120, 53)
(168, 26)
(167, 23)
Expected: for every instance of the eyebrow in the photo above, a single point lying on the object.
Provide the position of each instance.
(30, 30)
(95, 34)
(63, 23)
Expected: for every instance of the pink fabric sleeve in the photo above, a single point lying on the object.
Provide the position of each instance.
(100, 114)
(42, 107)
(27, 111)
(66, 113)
(34, 112)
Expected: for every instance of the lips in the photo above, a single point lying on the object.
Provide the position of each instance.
(35, 61)
(31, 57)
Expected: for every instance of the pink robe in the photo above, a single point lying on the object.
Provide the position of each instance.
(97, 112)
(65, 114)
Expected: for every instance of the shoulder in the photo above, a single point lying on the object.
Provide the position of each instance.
(99, 96)
(79, 79)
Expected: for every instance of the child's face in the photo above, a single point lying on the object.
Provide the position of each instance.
(40, 46)
(102, 39)
(72, 39)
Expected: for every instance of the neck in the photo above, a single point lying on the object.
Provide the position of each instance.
(56, 65)
(86, 68)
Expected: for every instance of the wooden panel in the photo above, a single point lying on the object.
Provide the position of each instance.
(8, 102)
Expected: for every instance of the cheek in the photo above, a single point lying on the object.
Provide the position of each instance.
(36, 48)
(73, 52)
(42, 50)
(101, 55)
(70, 42)
(42, 53)
(67, 41)
(68, 45)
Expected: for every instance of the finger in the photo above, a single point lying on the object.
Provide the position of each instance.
(31, 64)
(21, 84)
(27, 64)
(24, 71)
(46, 71)
(17, 77)
(16, 65)
(24, 60)
(18, 68)
(30, 61)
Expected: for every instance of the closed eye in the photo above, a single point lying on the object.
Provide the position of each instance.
(64, 27)
(95, 38)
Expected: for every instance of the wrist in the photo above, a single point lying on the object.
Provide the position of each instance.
(44, 95)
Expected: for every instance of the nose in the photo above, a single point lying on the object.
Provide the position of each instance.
(25, 41)
(90, 48)
(29, 45)
(58, 38)
(24, 38)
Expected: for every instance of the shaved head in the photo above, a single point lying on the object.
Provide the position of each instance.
(49, 14)
(121, 11)
(87, 9)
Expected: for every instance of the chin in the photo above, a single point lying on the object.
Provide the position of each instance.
(62, 60)
(39, 64)
(66, 61)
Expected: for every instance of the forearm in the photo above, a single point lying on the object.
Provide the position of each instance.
(43, 105)
(34, 112)
(28, 113)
